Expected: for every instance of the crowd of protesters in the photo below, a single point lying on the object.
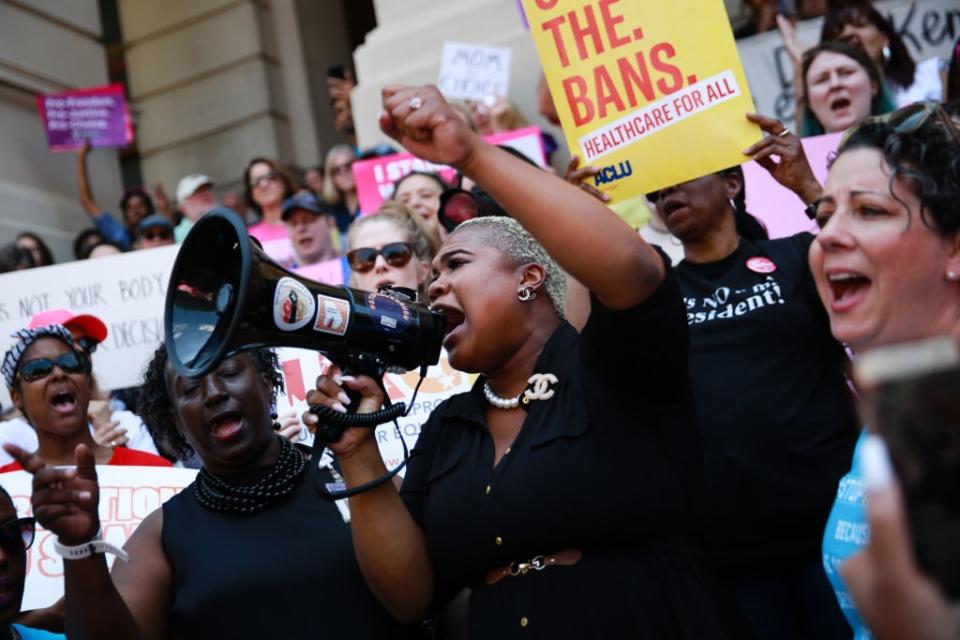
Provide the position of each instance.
(637, 458)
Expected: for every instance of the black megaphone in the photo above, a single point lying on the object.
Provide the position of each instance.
(226, 296)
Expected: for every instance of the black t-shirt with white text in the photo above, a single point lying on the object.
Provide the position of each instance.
(775, 411)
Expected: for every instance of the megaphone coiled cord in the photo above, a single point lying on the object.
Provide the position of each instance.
(332, 418)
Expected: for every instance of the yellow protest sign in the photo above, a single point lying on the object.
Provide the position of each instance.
(652, 92)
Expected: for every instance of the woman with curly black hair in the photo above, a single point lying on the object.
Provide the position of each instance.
(887, 267)
(250, 530)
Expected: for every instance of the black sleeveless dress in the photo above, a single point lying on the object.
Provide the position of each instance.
(286, 572)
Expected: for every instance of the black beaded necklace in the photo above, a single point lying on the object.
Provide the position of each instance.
(217, 495)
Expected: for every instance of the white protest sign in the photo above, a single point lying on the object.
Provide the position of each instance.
(472, 71)
(302, 367)
(127, 496)
(126, 291)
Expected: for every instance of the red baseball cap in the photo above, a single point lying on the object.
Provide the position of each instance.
(92, 327)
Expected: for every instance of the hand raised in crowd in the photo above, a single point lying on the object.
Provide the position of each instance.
(110, 434)
(84, 151)
(330, 392)
(782, 154)
(422, 121)
(788, 31)
(340, 88)
(500, 113)
(895, 599)
(162, 200)
(577, 175)
(64, 500)
(289, 426)
(106, 432)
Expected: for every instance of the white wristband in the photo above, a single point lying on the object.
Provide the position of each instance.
(87, 549)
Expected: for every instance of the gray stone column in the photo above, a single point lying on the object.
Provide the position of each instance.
(47, 46)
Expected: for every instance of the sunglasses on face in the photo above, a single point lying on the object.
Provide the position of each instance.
(69, 362)
(909, 119)
(16, 536)
(397, 254)
(156, 235)
(261, 181)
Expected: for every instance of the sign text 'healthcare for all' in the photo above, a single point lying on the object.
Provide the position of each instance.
(651, 93)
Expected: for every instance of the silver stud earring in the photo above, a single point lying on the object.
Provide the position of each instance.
(886, 53)
(951, 275)
(525, 294)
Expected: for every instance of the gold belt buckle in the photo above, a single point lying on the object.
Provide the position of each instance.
(521, 568)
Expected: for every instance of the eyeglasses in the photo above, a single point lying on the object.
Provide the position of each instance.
(260, 181)
(69, 362)
(397, 254)
(909, 119)
(16, 536)
(342, 168)
(156, 235)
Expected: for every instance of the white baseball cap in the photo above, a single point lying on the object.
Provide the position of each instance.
(189, 185)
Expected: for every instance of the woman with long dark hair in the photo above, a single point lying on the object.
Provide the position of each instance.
(841, 87)
(267, 185)
(860, 24)
(37, 247)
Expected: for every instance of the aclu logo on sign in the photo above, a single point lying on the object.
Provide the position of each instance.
(613, 173)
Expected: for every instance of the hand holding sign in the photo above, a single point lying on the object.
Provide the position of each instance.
(635, 80)
(64, 500)
(422, 121)
(579, 176)
(790, 168)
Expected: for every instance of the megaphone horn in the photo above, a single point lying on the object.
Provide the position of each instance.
(226, 296)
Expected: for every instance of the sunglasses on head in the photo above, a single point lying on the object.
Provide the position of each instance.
(397, 254)
(69, 362)
(909, 119)
(259, 181)
(16, 535)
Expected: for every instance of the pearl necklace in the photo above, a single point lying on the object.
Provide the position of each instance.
(497, 401)
(539, 389)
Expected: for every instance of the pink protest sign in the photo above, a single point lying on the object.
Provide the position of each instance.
(99, 114)
(375, 177)
(779, 208)
(327, 272)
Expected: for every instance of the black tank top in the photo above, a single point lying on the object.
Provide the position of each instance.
(286, 572)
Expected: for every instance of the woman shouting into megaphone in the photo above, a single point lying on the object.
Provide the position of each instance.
(564, 488)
